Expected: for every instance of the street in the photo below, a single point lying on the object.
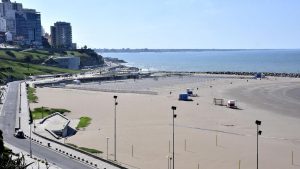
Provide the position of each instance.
(7, 125)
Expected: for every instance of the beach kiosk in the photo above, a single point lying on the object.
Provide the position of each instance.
(231, 104)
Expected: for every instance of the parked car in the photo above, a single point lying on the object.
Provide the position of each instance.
(19, 134)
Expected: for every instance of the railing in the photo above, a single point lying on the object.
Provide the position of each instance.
(80, 151)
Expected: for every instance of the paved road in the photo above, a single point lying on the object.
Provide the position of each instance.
(7, 125)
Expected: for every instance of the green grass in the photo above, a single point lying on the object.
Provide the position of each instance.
(11, 70)
(41, 112)
(38, 56)
(72, 145)
(18, 62)
(84, 122)
(89, 150)
(32, 98)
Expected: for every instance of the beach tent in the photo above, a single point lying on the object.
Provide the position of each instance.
(184, 97)
(259, 75)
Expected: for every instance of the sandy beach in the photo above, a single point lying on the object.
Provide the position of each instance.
(206, 136)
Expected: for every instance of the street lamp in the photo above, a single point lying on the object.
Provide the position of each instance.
(170, 162)
(258, 132)
(174, 116)
(30, 142)
(30, 124)
(116, 103)
(107, 138)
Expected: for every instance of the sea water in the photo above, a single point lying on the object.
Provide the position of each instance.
(280, 61)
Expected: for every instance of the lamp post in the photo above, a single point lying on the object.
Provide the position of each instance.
(30, 130)
(174, 116)
(30, 142)
(107, 138)
(258, 132)
(170, 162)
(116, 103)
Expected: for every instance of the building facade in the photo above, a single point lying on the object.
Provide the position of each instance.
(61, 35)
(2, 25)
(68, 62)
(28, 27)
(23, 24)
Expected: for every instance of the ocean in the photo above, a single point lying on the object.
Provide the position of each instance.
(279, 61)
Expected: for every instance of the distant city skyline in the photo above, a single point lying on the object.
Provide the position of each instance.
(209, 24)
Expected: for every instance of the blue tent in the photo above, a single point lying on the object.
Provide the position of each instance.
(259, 75)
(184, 97)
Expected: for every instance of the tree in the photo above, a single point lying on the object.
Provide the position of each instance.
(1, 145)
(28, 59)
(6, 158)
(45, 43)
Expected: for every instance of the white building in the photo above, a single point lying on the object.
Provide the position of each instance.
(68, 62)
(2, 25)
(56, 124)
(8, 37)
(8, 12)
(1, 10)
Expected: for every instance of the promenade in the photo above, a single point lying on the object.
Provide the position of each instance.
(15, 114)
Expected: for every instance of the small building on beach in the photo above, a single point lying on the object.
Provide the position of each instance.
(56, 125)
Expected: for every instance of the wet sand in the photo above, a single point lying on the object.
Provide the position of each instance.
(210, 136)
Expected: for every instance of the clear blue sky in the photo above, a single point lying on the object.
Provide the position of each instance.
(176, 23)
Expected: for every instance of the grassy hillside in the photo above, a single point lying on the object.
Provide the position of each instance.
(16, 64)
(12, 70)
(16, 55)
(87, 56)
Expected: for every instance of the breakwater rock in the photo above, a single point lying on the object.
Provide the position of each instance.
(294, 75)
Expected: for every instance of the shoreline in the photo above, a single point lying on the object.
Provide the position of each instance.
(120, 62)
(253, 74)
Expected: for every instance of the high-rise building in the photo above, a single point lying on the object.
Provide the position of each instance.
(53, 36)
(28, 27)
(23, 24)
(2, 25)
(61, 35)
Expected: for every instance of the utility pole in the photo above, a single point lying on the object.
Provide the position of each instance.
(258, 132)
(115, 128)
(174, 116)
(30, 142)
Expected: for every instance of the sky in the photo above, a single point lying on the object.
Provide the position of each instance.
(184, 24)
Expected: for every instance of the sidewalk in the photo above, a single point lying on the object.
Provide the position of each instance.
(37, 163)
(56, 146)
(3, 92)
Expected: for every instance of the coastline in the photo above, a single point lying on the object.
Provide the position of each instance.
(115, 62)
